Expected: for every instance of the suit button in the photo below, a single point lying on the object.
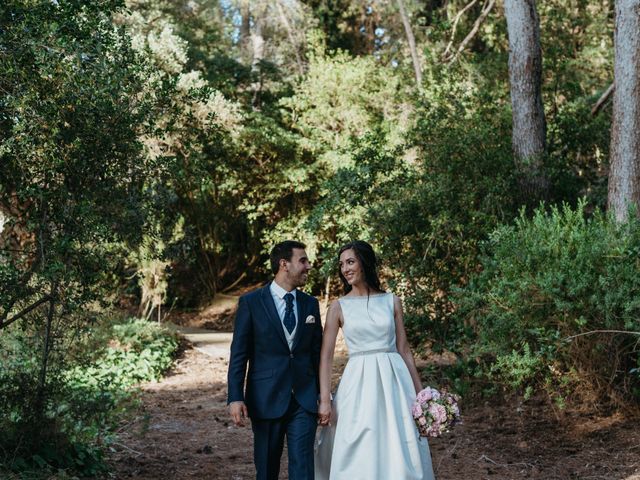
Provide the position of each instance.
(291, 355)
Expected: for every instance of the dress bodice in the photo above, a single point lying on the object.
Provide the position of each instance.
(369, 323)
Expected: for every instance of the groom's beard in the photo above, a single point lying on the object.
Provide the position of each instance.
(300, 279)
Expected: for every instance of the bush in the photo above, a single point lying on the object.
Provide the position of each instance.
(135, 351)
(433, 215)
(81, 402)
(549, 306)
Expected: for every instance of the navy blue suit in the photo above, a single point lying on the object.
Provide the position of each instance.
(281, 392)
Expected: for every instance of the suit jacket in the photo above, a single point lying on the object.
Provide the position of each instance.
(274, 372)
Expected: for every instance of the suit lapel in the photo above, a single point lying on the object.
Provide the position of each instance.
(301, 303)
(272, 313)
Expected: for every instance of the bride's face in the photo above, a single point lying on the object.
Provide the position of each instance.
(351, 268)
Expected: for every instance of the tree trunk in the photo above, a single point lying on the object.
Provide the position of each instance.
(412, 43)
(624, 174)
(291, 36)
(46, 350)
(245, 31)
(525, 76)
(257, 43)
(16, 240)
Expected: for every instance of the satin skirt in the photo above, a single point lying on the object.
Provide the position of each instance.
(372, 433)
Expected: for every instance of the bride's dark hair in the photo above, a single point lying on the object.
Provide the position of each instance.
(364, 252)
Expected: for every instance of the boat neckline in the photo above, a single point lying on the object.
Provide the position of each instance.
(365, 296)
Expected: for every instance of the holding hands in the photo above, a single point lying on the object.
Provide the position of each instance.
(324, 413)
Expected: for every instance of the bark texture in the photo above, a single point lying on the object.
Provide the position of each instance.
(525, 76)
(245, 31)
(624, 174)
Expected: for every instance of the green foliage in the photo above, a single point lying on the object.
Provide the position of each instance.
(342, 97)
(578, 158)
(546, 280)
(82, 402)
(71, 114)
(72, 195)
(577, 42)
(518, 366)
(342, 213)
(231, 166)
(348, 124)
(346, 24)
(457, 187)
(132, 352)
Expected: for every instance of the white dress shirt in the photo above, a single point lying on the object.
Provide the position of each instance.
(278, 293)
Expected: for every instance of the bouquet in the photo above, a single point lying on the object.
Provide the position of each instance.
(435, 412)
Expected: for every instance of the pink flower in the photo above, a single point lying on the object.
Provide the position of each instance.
(424, 395)
(438, 412)
(427, 394)
(434, 413)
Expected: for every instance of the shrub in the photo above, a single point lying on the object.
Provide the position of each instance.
(433, 215)
(81, 401)
(136, 351)
(556, 304)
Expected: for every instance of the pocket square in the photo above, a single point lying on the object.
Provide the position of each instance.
(310, 319)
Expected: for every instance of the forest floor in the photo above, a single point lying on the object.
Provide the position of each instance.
(183, 430)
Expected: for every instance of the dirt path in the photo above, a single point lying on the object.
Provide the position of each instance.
(183, 432)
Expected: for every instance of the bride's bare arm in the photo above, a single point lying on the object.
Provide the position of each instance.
(331, 326)
(402, 344)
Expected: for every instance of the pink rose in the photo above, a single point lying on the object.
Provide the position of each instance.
(424, 395)
(438, 412)
(427, 394)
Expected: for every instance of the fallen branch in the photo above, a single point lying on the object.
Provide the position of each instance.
(127, 448)
(238, 280)
(449, 454)
(487, 459)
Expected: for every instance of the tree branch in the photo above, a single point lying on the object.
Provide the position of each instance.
(457, 18)
(602, 101)
(592, 332)
(412, 43)
(17, 316)
(476, 26)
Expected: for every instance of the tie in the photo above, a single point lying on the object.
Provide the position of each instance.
(289, 317)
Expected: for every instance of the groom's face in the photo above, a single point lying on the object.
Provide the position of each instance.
(297, 269)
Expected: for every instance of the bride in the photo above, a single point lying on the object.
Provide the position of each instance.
(370, 434)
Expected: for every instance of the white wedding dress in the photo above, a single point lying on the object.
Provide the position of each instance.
(372, 435)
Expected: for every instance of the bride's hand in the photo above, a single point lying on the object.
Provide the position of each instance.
(324, 413)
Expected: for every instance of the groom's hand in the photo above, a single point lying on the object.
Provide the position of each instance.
(238, 412)
(324, 413)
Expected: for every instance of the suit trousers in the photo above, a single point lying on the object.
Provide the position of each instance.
(299, 426)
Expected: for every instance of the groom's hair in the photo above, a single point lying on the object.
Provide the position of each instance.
(283, 251)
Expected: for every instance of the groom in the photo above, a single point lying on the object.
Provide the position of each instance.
(278, 333)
